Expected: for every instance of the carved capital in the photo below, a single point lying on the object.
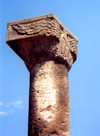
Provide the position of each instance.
(42, 38)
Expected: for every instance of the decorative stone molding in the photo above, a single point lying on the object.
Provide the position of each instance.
(42, 38)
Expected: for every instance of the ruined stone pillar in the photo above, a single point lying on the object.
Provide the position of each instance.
(48, 50)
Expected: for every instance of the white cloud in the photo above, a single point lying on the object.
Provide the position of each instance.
(16, 104)
(1, 103)
(11, 107)
(3, 113)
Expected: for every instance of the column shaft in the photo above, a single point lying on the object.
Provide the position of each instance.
(49, 100)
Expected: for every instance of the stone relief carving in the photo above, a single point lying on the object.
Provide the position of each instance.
(52, 41)
(42, 27)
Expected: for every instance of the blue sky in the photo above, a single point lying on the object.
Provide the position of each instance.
(82, 18)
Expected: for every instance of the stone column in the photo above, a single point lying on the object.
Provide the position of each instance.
(48, 50)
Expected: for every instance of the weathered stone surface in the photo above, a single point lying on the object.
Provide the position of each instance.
(48, 50)
(49, 100)
(42, 38)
